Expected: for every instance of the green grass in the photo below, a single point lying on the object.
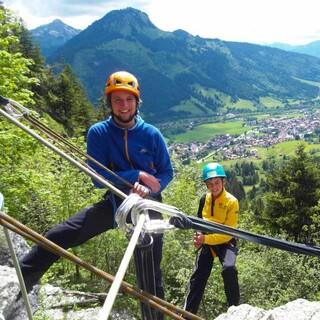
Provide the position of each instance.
(285, 148)
(269, 102)
(190, 106)
(243, 104)
(262, 116)
(279, 150)
(207, 131)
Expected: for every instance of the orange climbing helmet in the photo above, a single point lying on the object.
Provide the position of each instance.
(123, 80)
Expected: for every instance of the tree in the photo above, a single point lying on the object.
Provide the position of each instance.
(69, 104)
(292, 200)
(15, 79)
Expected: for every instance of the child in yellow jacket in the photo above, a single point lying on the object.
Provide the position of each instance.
(219, 206)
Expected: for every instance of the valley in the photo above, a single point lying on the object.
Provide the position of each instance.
(249, 137)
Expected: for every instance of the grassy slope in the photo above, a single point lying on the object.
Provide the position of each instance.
(207, 131)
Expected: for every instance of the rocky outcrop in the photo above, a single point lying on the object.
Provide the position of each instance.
(19, 244)
(300, 309)
(47, 302)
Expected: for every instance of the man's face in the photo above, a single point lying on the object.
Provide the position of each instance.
(124, 106)
(215, 185)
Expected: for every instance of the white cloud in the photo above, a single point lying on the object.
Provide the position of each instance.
(241, 20)
(258, 21)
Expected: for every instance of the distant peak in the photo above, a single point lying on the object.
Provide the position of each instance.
(129, 15)
(57, 24)
(57, 21)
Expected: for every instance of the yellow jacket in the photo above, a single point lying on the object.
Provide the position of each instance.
(224, 210)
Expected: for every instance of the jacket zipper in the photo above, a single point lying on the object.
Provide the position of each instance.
(126, 149)
(212, 206)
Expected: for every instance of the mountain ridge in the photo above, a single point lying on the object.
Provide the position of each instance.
(52, 36)
(180, 74)
(312, 48)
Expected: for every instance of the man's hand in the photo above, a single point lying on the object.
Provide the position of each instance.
(141, 190)
(150, 181)
(198, 239)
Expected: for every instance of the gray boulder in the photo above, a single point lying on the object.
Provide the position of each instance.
(19, 244)
(299, 309)
(47, 302)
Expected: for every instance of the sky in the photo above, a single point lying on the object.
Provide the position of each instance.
(294, 22)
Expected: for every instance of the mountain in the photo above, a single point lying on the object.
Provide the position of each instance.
(183, 75)
(52, 36)
(312, 48)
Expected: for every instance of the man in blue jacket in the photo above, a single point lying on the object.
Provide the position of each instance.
(135, 151)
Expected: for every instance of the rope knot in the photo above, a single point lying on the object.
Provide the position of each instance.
(136, 205)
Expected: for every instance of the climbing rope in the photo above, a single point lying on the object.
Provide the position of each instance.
(14, 111)
(113, 291)
(135, 205)
(178, 219)
(17, 111)
(165, 307)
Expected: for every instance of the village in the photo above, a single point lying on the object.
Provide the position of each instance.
(261, 133)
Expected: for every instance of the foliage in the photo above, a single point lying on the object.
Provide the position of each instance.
(247, 171)
(235, 187)
(40, 188)
(292, 197)
(68, 104)
(15, 80)
(270, 277)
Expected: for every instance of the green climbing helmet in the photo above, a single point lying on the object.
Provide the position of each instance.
(212, 170)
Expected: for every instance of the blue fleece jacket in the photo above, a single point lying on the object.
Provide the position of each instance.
(129, 151)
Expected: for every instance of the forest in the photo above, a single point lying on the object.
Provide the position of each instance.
(41, 189)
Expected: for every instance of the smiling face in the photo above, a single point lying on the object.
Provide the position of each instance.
(124, 107)
(215, 185)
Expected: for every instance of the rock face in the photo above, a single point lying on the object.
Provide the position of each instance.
(296, 310)
(55, 297)
(12, 308)
(20, 247)
(47, 302)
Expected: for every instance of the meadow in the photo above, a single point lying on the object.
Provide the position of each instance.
(207, 131)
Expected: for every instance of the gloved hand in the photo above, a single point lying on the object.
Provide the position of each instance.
(181, 222)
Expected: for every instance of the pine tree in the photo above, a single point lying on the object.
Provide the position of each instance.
(70, 105)
(293, 196)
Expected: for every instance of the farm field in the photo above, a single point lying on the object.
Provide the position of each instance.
(205, 132)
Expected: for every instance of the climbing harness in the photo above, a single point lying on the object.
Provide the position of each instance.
(140, 225)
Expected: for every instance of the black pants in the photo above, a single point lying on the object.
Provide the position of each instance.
(78, 229)
(203, 266)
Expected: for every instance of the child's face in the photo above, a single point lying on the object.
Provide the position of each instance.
(215, 185)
